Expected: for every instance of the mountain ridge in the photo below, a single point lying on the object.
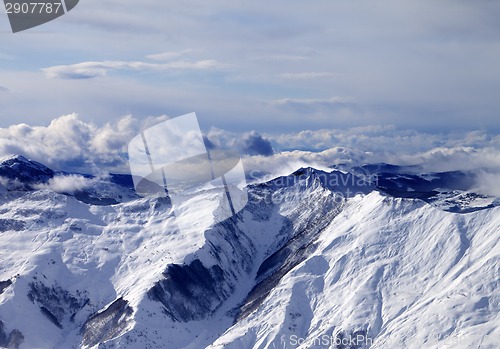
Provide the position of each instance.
(123, 276)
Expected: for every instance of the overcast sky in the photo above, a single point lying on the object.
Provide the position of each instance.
(270, 66)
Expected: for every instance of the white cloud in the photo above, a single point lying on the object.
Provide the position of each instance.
(485, 163)
(308, 75)
(488, 183)
(279, 58)
(87, 70)
(165, 56)
(10, 184)
(383, 138)
(308, 101)
(468, 151)
(68, 184)
(68, 143)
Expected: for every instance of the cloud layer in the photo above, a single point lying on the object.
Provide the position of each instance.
(88, 70)
(68, 184)
(70, 144)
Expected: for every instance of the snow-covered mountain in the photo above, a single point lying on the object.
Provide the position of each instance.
(374, 257)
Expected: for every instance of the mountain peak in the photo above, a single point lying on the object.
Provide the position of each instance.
(24, 169)
(334, 180)
(13, 159)
(305, 171)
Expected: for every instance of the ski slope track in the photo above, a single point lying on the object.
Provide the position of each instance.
(315, 260)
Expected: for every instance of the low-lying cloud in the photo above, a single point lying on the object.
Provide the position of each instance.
(68, 184)
(10, 184)
(487, 183)
(72, 145)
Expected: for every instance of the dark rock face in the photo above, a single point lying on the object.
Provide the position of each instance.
(193, 291)
(57, 304)
(125, 180)
(3, 336)
(11, 225)
(24, 170)
(189, 292)
(4, 285)
(107, 324)
(13, 340)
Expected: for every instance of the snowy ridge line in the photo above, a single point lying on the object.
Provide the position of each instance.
(301, 261)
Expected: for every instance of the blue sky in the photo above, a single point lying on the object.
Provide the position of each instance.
(270, 66)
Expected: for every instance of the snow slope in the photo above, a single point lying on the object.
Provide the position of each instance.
(398, 271)
(314, 258)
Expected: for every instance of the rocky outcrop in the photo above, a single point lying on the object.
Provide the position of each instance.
(107, 324)
(13, 340)
(57, 304)
(4, 285)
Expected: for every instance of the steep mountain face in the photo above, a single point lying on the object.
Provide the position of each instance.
(315, 260)
(25, 171)
(398, 273)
